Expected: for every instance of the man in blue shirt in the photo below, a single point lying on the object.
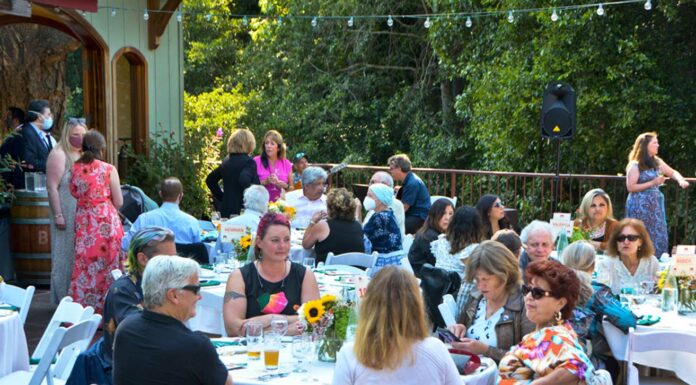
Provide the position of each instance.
(413, 193)
(185, 227)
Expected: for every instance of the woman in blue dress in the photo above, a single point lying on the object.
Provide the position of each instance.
(645, 173)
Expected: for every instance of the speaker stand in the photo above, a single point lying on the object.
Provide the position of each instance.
(556, 178)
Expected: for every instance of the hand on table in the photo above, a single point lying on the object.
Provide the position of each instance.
(470, 345)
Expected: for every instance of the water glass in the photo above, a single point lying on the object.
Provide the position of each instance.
(271, 352)
(254, 339)
(301, 350)
(648, 286)
(308, 262)
(279, 325)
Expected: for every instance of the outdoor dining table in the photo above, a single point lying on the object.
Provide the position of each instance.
(14, 354)
(321, 373)
(683, 364)
(297, 252)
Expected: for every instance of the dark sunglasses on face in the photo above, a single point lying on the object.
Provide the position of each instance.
(195, 289)
(537, 292)
(630, 238)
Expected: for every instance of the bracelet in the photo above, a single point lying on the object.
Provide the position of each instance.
(58, 216)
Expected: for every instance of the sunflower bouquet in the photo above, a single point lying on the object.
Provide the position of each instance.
(280, 207)
(242, 246)
(327, 319)
(580, 235)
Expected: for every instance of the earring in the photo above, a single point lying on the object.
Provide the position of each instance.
(558, 317)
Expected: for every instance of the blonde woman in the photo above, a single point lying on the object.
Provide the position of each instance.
(596, 215)
(392, 344)
(272, 166)
(58, 168)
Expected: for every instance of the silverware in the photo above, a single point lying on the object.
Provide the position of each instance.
(270, 376)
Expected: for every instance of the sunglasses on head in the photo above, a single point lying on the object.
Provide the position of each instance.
(498, 204)
(77, 121)
(195, 289)
(630, 238)
(537, 292)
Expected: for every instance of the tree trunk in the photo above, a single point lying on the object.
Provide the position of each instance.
(32, 58)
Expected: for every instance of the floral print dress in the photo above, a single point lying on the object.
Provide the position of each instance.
(541, 352)
(98, 234)
(649, 206)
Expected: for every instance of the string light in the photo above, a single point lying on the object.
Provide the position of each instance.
(314, 21)
(511, 18)
(113, 12)
(648, 5)
(554, 16)
(427, 23)
(390, 21)
(350, 22)
(245, 21)
(468, 22)
(600, 10)
(179, 17)
(146, 16)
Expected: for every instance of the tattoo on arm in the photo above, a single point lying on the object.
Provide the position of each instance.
(232, 295)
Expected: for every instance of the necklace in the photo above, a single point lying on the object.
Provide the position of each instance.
(258, 275)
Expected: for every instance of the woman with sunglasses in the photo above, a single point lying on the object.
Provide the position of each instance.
(439, 218)
(595, 301)
(58, 169)
(632, 256)
(551, 354)
(492, 212)
(271, 286)
(596, 216)
(493, 318)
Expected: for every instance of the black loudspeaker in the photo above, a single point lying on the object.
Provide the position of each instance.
(558, 111)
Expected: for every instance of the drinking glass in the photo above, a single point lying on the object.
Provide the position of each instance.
(648, 286)
(279, 325)
(254, 339)
(301, 350)
(308, 262)
(271, 352)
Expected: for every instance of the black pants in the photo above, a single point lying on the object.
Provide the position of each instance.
(412, 224)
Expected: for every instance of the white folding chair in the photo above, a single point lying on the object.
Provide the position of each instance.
(352, 259)
(116, 274)
(68, 355)
(18, 297)
(659, 340)
(346, 268)
(62, 340)
(66, 312)
(448, 309)
(434, 198)
(215, 303)
(406, 243)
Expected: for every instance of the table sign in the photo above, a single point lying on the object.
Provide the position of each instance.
(562, 222)
(361, 282)
(684, 261)
(232, 232)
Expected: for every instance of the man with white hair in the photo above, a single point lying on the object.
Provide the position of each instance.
(538, 240)
(397, 207)
(156, 346)
(255, 205)
(311, 198)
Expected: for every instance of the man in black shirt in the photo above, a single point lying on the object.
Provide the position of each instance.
(155, 346)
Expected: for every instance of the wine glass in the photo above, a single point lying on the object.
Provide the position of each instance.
(301, 350)
(648, 286)
(660, 173)
(279, 326)
(308, 262)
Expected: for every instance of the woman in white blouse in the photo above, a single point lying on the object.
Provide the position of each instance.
(391, 343)
(451, 249)
(631, 258)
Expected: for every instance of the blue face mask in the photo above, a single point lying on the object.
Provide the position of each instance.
(47, 124)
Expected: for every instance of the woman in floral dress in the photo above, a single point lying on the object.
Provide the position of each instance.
(98, 232)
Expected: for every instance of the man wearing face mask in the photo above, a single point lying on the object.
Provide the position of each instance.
(396, 206)
(36, 135)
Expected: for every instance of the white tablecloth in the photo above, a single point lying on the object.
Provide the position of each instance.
(683, 364)
(297, 252)
(321, 373)
(14, 354)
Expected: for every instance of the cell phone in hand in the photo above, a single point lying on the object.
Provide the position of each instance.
(446, 336)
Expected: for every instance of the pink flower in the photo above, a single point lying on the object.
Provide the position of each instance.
(219, 132)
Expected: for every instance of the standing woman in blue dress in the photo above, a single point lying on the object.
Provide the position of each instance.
(645, 173)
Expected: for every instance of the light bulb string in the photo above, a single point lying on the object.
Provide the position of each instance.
(417, 16)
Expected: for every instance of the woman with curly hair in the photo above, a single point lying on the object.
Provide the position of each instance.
(337, 231)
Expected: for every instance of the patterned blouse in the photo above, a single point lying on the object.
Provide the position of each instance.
(541, 352)
(383, 232)
(453, 262)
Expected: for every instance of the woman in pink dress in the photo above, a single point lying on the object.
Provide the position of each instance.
(275, 171)
(98, 232)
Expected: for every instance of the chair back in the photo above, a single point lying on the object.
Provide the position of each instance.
(366, 261)
(206, 225)
(74, 343)
(215, 303)
(407, 243)
(448, 309)
(434, 198)
(79, 334)
(21, 298)
(116, 274)
(195, 251)
(669, 340)
(67, 312)
(435, 283)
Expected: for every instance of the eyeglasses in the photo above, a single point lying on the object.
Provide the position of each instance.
(77, 121)
(195, 289)
(537, 292)
(498, 204)
(630, 238)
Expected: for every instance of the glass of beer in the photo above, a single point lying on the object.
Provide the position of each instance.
(271, 353)
(254, 339)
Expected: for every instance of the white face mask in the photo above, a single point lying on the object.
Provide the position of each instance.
(369, 203)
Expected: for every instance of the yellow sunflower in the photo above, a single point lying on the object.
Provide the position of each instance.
(313, 311)
(327, 298)
(245, 242)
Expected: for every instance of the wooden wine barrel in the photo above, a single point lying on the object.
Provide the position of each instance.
(30, 237)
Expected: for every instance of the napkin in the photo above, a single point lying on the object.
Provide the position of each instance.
(211, 282)
(647, 320)
(219, 343)
(207, 266)
(8, 307)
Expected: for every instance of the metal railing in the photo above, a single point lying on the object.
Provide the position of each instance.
(531, 193)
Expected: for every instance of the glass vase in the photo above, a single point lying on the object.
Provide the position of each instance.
(328, 348)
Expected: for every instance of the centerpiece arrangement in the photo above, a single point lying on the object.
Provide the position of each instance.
(242, 247)
(327, 319)
(280, 207)
(686, 286)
